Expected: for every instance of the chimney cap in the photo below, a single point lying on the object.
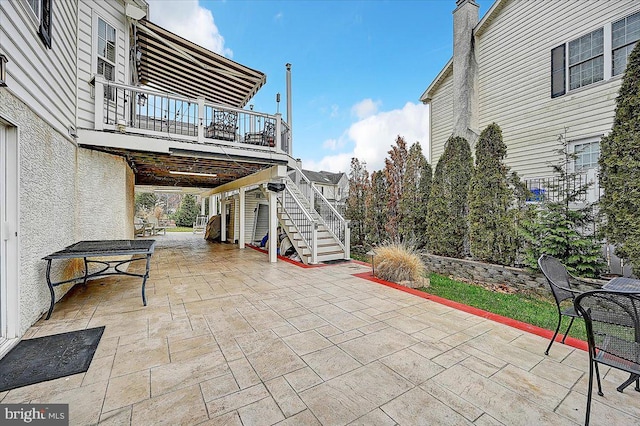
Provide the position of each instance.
(461, 2)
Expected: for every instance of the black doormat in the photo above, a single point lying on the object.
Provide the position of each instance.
(47, 358)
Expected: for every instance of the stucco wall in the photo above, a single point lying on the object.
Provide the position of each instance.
(65, 194)
(46, 202)
(104, 208)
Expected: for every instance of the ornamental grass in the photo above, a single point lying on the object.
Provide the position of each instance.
(398, 263)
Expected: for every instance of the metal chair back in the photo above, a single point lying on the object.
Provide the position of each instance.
(557, 277)
(613, 332)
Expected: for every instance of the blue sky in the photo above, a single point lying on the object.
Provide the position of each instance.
(358, 67)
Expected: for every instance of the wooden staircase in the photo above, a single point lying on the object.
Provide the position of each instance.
(327, 245)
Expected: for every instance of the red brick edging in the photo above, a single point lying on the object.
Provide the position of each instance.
(538, 331)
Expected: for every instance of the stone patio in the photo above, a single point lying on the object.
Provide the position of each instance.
(229, 339)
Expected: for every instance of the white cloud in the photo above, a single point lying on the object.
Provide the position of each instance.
(331, 144)
(365, 108)
(373, 137)
(188, 19)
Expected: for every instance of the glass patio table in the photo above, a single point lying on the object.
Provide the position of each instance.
(102, 248)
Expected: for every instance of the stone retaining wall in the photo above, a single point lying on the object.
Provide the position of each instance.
(470, 270)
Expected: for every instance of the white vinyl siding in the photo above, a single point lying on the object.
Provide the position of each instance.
(42, 78)
(530, 119)
(441, 122)
(112, 12)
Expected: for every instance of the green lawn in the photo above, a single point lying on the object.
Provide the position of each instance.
(180, 229)
(529, 308)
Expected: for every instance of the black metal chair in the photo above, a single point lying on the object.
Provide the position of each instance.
(560, 282)
(613, 332)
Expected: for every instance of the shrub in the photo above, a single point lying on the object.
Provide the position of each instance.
(620, 168)
(447, 222)
(398, 262)
(188, 211)
(560, 226)
(492, 216)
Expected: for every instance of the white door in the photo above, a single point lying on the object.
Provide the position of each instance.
(8, 237)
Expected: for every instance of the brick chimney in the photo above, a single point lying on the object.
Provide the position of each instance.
(465, 70)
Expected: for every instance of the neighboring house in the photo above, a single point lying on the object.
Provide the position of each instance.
(99, 100)
(543, 70)
(334, 186)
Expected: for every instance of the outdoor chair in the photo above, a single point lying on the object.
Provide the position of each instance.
(223, 126)
(139, 227)
(612, 319)
(267, 137)
(157, 228)
(200, 224)
(560, 282)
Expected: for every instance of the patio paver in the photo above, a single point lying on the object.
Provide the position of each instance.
(228, 338)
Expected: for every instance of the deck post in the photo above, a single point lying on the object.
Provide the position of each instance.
(273, 227)
(241, 218)
(201, 123)
(98, 115)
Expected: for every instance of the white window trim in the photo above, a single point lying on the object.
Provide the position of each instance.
(33, 15)
(94, 45)
(606, 58)
(572, 149)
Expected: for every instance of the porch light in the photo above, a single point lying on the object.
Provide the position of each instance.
(174, 172)
(142, 99)
(3, 70)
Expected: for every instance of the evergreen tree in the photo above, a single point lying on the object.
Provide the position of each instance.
(145, 201)
(620, 168)
(356, 202)
(560, 225)
(187, 212)
(447, 225)
(492, 221)
(377, 209)
(416, 186)
(394, 170)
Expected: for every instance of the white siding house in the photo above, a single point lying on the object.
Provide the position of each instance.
(97, 101)
(511, 75)
(55, 191)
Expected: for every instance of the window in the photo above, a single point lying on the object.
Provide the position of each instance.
(586, 155)
(41, 10)
(624, 35)
(106, 54)
(35, 7)
(593, 57)
(586, 59)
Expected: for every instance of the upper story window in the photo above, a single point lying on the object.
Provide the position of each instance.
(624, 35)
(35, 7)
(595, 56)
(41, 10)
(586, 59)
(106, 53)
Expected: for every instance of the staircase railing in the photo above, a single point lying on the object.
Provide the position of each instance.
(337, 225)
(305, 225)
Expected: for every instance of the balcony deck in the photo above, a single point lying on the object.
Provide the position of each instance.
(159, 133)
(228, 339)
